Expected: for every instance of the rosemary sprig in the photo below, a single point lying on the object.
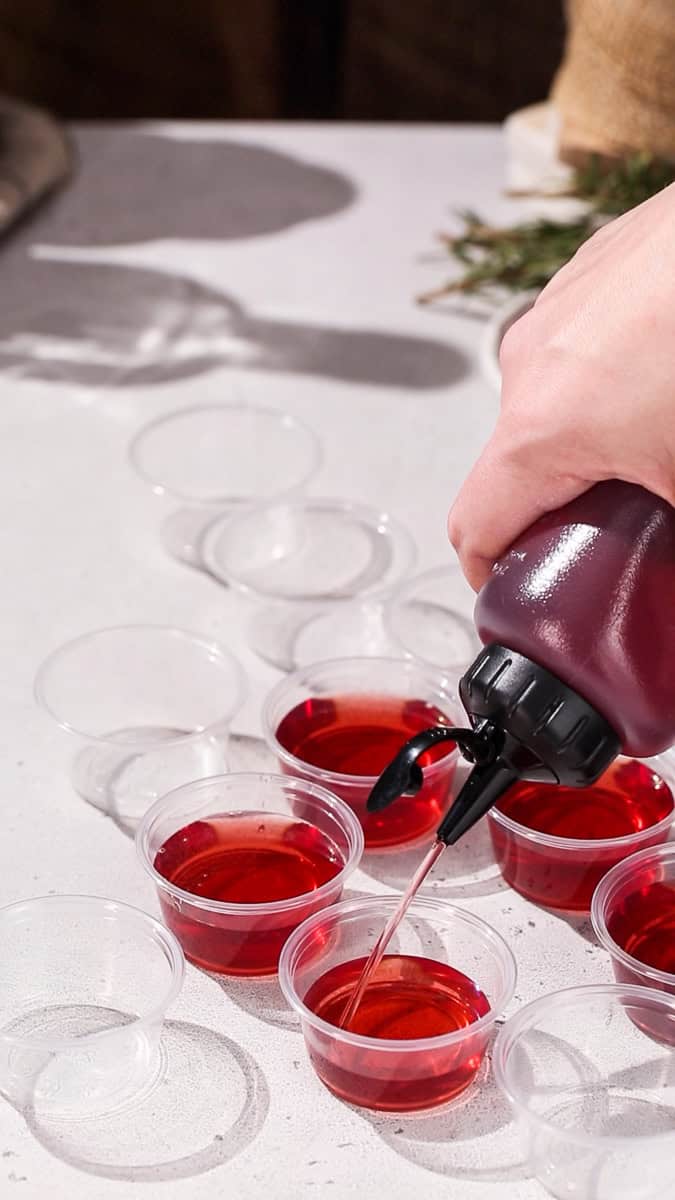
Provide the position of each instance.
(626, 184)
(525, 256)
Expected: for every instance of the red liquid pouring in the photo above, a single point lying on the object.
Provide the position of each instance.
(407, 997)
(244, 858)
(628, 798)
(359, 735)
(379, 949)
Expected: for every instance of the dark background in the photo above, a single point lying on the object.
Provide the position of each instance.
(428, 60)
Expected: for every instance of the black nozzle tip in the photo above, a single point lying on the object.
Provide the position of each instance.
(401, 777)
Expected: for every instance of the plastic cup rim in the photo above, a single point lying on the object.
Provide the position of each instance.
(282, 416)
(338, 777)
(401, 595)
(377, 517)
(213, 648)
(507, 1038)
(575, 845)
(602, 896)
(425, 905)
(337, 807)
(168, 943)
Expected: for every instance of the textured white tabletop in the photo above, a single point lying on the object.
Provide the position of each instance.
(304, 300)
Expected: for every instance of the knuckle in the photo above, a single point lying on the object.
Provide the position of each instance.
(513, 343)
(455, 531)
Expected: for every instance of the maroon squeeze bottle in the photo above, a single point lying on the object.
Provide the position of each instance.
(589, 593)
(578, 625)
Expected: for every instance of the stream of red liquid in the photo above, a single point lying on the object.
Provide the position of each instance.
(379, 949)
(407, 997)
(628, 798)
(244, 858)
(359, 735)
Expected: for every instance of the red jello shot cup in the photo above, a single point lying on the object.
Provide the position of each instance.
(562, 873)
(633, 915)
(340, 722)
(240, 860)
(394, 1071)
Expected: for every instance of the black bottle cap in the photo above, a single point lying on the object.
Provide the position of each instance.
(525, 724)
(556, 735)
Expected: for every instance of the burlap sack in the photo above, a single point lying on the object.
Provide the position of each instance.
(616, 87)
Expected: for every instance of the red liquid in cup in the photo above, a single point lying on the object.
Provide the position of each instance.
(643, 924)
(409, 997)
(628, 798)
(244, 858)
(359, 735)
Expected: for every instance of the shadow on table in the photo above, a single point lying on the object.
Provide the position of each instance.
(93, 324)
(471, 1138)
(244, 753)
(464, 871)
(209, 1103)
(263, 998)
(580, 923)
(260, 998)
(96, 324)
(138, 186)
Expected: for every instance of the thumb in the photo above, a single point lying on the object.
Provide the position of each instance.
(499, 500)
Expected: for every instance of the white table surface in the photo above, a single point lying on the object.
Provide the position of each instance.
(80, 550)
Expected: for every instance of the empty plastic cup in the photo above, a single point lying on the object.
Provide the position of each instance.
(84, 988)
(143, 709)
(594, 1096)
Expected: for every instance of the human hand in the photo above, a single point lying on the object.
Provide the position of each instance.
(588, 388)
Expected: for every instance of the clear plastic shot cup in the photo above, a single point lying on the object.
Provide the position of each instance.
(562, 873)
(84, 987)
(224, 454)
(292, 559)
(340, 722)
(430, 617)
(593, 1095)
(216, 457)
(633, 915)
(248, 833)
(427, 618)
(397, 1074)
(143, 708)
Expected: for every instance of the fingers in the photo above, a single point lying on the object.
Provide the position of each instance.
(586, 389)
(498, 501)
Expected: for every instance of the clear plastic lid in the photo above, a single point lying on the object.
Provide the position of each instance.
(221, 454)
(305, 550)
(430, 618)
(354, 630)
